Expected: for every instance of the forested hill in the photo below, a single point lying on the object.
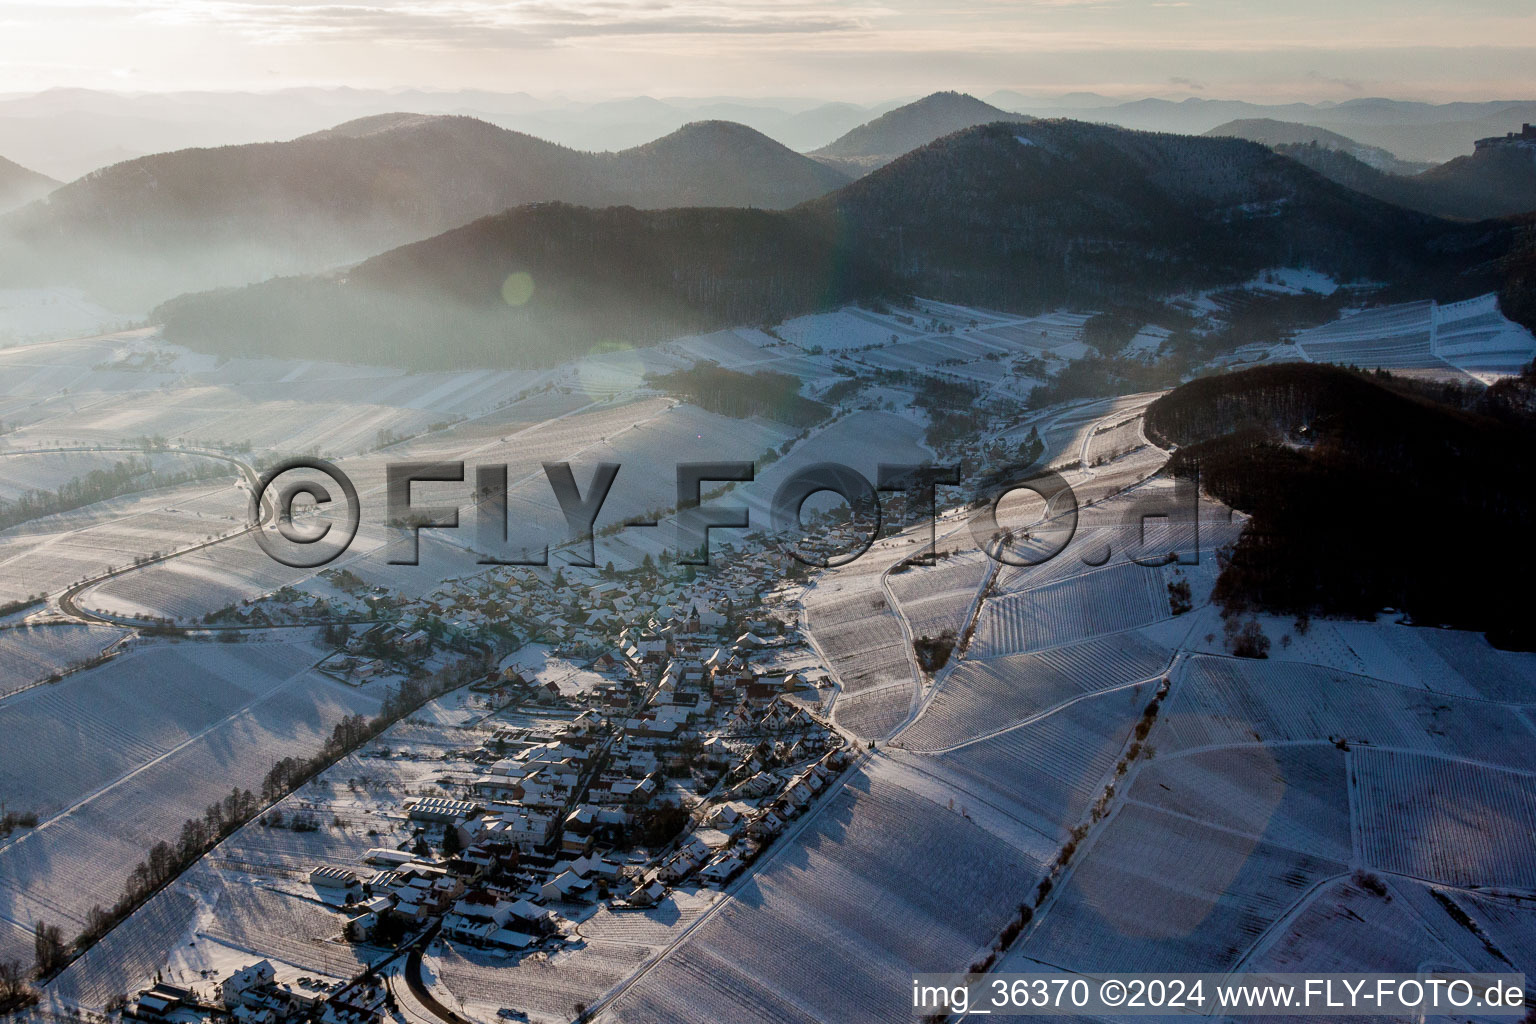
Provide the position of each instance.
(1366, 491)
(878, 142)
(1496, 182)
(1274, 134)
(1017, 215)
(1517, 294)
(1011, 216)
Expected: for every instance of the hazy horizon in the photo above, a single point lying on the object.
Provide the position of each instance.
(845, 51)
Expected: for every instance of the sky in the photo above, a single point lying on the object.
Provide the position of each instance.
(860, 50)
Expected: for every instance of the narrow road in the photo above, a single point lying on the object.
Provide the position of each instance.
(69, 599)
(419, 990)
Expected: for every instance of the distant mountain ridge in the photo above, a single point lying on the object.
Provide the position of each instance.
(877, 143)
(1269, 132)
(69, 132)
(1009, 215)
(1414, 131)
(204, 217)
(19, 186)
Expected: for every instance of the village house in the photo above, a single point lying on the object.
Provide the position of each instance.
(440, 810)
(336, 886)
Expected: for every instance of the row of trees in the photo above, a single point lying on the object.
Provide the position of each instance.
(98, 485)
(732, 393)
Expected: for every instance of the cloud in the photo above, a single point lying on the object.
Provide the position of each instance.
(1187, 83)
(474, 25)
(1352, 84)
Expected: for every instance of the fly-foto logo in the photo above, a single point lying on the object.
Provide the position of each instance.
(300, 540)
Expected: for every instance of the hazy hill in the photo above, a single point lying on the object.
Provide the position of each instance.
(715, 163)
(1269, 132)
(902, 130)
(1493, 182)
(66, 133)
(158, 225)
(585, 277)
(19, 185)
(1005, 215)
(1436, 134)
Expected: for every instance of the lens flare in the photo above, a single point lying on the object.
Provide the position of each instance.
(517, 289)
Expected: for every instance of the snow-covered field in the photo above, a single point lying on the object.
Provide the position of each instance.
(850, 618)
(547, 986)
(1118, 597)
(983, 697)
(29, 315)
(249, 899)
(1268, 810)
(49, 554)
(1164, 893)
(30, 654)
(1274, 789)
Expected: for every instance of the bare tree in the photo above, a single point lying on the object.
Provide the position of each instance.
(14, 990)
(48, 941)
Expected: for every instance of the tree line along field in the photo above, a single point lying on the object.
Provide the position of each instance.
(1263, 787)
(1168, 894)
(141, 389)
(1234, 832)
(136, 747)
(935, 598)
(646, 438)
(1043, 775)
(250, 895)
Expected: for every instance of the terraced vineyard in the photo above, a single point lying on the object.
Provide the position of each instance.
(935, 598)
(981, 697)
(1231, 701)
(131, 952)
(1444, 820)
(1165, 894)
(1045, 774)
(296, 931)
(851, 619)
(833, 926)
(1290, 796)
(1112, 599)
